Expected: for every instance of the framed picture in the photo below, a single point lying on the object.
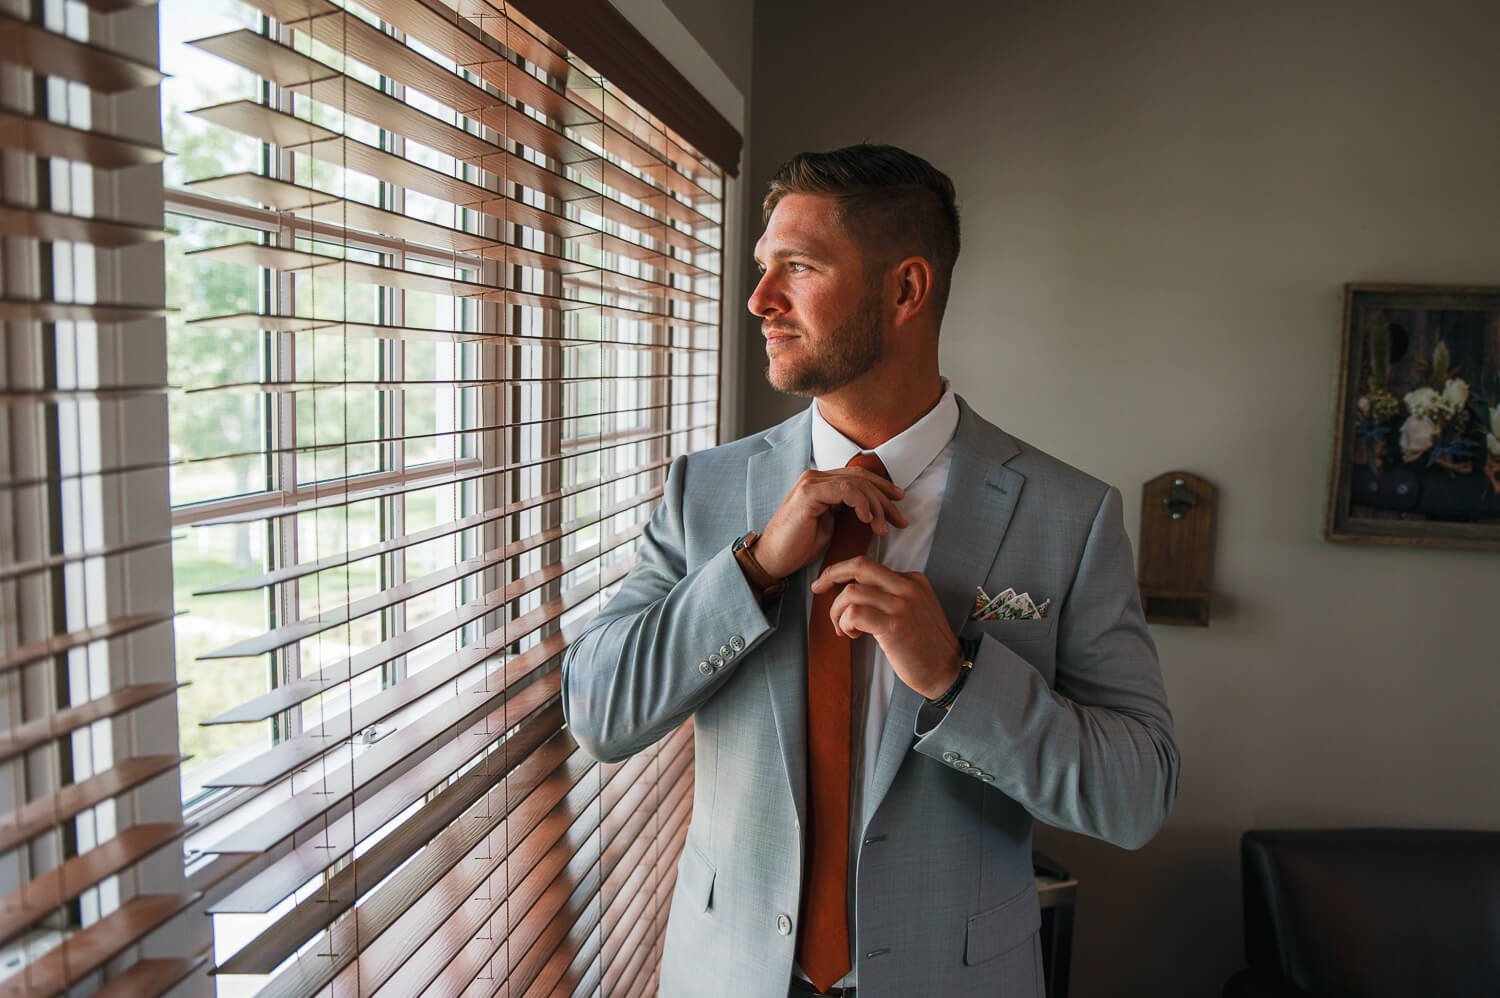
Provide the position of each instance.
(1416, 448)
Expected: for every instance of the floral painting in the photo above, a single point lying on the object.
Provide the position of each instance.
(1417, 436)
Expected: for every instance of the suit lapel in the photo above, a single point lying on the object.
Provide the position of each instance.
(978, 502)
(769, 476)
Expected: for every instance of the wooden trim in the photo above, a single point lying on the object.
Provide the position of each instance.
(601, 36)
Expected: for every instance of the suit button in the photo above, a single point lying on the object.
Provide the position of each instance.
(950, 756)
(737, 643)
(716, 660)
(987, 778)
(784, 925)
(962, 764)
(726, 651)
(705, 669)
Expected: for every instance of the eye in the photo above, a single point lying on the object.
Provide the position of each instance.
(796, 267)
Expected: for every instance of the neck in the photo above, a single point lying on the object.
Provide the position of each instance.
(871, 411)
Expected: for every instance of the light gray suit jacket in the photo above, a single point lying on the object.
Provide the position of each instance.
(1063, 719)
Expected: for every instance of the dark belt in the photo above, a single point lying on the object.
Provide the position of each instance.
(801, 987)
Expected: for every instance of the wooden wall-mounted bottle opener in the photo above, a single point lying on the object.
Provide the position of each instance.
(1175, 568)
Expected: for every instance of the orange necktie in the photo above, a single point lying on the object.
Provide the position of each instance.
(823, 941)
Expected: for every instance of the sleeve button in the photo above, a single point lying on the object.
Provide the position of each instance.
(705, 669)
(716, 660)
(950, 757)
(784, 925)
(726, 651)
(737, 643)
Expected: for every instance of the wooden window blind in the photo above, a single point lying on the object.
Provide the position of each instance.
(442, 302)
(90, 822)
(465, 311)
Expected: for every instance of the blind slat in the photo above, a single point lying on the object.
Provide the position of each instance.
(296, 752)
(151, 977)
(339, 893)
(58, 644)
(23, 43)
(41, 815)
(526, 867)
(340, 559)
(277, 506)
(301, 630)
(18, 569)
(344, 786)
(36, 310)
(43, 895)
(84, 145)
(35, 223)
(84, 952)
(42, 730)
(316, 683)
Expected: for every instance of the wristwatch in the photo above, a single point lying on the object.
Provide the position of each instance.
(964, 668)
(767, 586)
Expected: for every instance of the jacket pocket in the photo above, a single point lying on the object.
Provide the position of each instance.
(1009, 631)
(697, 877)
(1001, 929)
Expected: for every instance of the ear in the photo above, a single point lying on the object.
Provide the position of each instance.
(911, 280)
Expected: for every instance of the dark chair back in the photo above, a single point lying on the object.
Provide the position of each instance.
(1374, 913)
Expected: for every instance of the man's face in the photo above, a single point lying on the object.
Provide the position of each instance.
(820, 315)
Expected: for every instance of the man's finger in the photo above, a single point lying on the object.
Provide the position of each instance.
(880, 481)
(856, 594)
(859, 619)
(859, 569)
(872, 505)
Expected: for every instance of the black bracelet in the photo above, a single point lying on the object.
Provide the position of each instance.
(946, 700)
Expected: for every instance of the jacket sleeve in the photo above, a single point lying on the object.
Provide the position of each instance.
(671, 636)
(1094, 753)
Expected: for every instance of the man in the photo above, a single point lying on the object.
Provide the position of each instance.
(870, 751)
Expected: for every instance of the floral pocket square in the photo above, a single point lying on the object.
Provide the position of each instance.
(1009, 605)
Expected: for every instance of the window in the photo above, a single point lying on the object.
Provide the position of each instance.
(444, 303)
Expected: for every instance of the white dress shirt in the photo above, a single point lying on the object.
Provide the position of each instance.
(917, 460)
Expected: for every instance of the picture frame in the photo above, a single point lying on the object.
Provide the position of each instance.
(1416, 443)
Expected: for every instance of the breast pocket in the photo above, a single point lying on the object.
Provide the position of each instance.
(1009, 632)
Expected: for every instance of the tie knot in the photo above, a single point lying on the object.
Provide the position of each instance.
(869, 462)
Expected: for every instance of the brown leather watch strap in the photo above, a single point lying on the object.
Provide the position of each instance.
(767, 587)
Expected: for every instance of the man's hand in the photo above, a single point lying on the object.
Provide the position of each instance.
(900, 610)
(803, 525)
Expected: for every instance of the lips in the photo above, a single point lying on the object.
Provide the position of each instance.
(774, 336)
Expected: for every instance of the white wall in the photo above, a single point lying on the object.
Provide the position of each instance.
(1161, 202)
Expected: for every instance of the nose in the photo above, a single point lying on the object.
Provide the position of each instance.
(767, 299)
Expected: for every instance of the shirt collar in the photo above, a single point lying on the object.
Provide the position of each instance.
(905, 456)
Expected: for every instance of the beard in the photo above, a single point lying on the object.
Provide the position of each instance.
(852, 349)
